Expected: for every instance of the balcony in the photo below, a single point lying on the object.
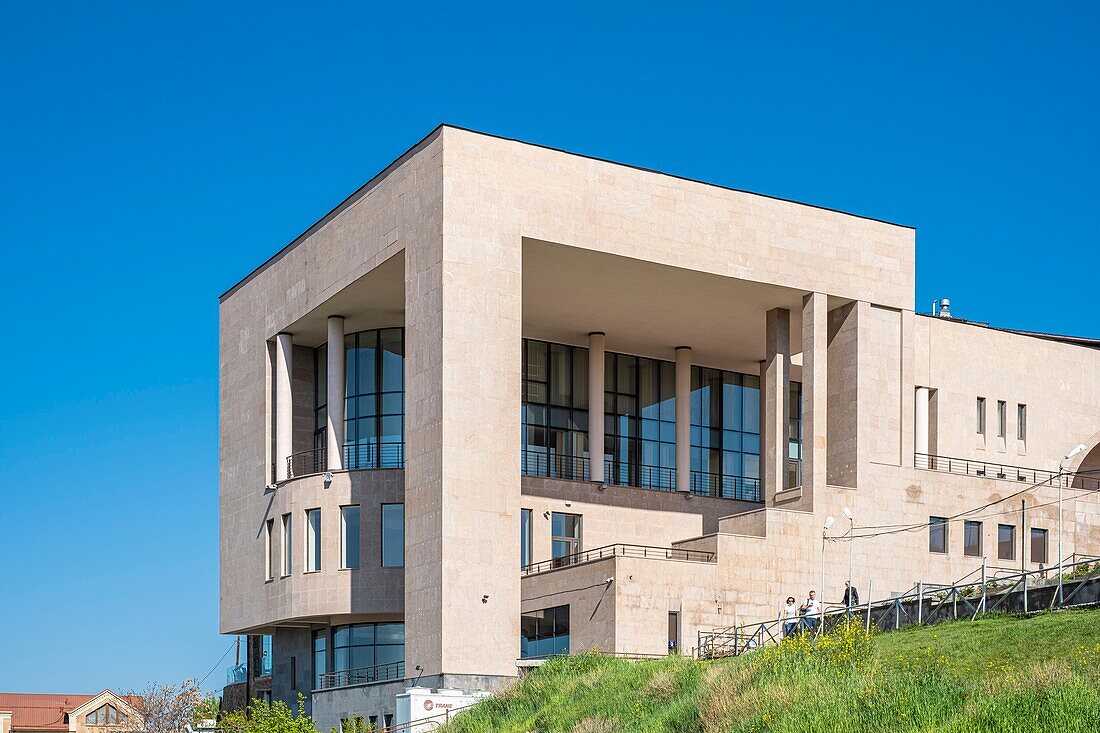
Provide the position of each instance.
(357, 457)
(985, 469)
(362, 676)
(654, 478)
(620, 550)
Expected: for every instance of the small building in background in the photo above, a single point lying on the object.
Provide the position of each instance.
(64, 713)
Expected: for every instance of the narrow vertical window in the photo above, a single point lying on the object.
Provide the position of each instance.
(565, 530)
(981, 415)
(1021, 422)
(288, 545)
(673, 632)
(349, 537)
(1002, 418)
(393, 535)
(972, 539)
(1038, 545)
(524, 537)
(269, 548)
(313, 540)
(937, 534)
(320, 657)
(1006, 542)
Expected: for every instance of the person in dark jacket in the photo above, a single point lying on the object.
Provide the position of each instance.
(851, 595)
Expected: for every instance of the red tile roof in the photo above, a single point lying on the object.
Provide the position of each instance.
(35, 712)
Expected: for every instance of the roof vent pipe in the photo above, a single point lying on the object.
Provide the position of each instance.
(945, 308)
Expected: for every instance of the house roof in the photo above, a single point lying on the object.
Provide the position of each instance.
(45, 712)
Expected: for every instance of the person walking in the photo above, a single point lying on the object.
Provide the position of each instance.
(811, 612)
(790, 617)
(851, 595)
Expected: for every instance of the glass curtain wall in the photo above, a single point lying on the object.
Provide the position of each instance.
(555, 410)
(374, 417)
(640, 422)
(725, 434)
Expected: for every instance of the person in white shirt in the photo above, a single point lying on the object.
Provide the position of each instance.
(790, 617)
(811, 612)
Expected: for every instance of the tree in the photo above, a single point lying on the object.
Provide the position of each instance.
(207, 709)
(164, 708)
(268, 717)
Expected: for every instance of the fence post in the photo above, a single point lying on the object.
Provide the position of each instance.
(897, 614)
(868, 606)
(920, 602)
(981, 606)
(1025, 592)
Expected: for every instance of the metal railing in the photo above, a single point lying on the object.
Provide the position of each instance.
(366, 456)
(621, 473)
(722, 486)
(925, 603)
(619, 550)
(362, 676)
(555, 465)
(985, 469)
(306, 462)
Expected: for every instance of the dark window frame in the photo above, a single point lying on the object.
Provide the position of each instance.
(1002, 543)
(938, 524)
(972, 530)
(382, 535)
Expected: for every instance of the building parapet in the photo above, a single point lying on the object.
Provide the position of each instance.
(620, 550)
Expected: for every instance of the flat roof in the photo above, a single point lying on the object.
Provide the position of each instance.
(375, 180)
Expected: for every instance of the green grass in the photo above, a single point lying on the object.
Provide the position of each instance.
(997, 674)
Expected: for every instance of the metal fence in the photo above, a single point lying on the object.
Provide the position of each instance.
(555, 465)
(362, 676)
(620, 550)
(925, 603)
(306, 462)
(985, 469)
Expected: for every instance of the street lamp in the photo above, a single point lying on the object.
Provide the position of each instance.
(829, 520)
(851, 548)
(1077, 449)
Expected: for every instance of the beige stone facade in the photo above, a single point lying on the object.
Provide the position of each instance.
(472, 244)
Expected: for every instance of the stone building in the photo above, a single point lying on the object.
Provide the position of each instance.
(408, 494)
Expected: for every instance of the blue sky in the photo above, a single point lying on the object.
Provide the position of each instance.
(153, 154)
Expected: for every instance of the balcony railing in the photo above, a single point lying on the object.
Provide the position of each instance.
(362, 676)
(554, 465)
(599, 553)
(743, 488)
(306, 462)
(619, 473)
(360, 456)
(985, 469)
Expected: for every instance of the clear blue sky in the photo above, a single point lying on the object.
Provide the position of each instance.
(152, 155)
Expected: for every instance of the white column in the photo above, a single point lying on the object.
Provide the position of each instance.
(775, 394)
(334, 400)
(595, 405)
(683, 418)
(284, 404)
(920, 439)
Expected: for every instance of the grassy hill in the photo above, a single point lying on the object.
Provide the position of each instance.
(996, 674)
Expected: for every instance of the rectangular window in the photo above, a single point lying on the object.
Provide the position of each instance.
(555, 411)
(640, 421)
(725, 434)
(363, 646)
(981, 415)
(320, 656)
(544, 633)
(565, 530)
(673, 632)
(349, 537)
(1006, 541)
(288, 545)
(393, 535)
(269, 550)
(524, 537)
(313, 540)
(1021, 422)
(937, 534)
(972, 539)
(1038, 545)
(1002, 418)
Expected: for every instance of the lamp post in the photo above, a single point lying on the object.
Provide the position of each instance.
(824, 530)
(1077, 449)
(851, 548)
